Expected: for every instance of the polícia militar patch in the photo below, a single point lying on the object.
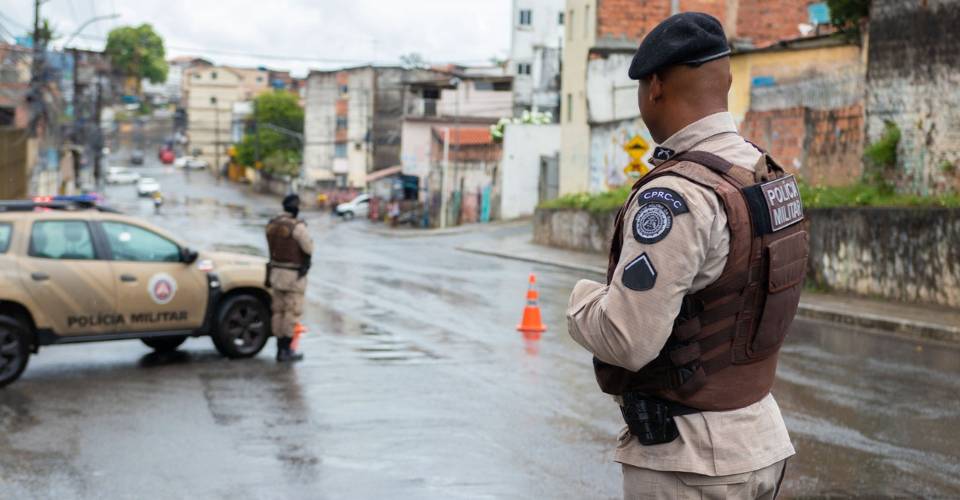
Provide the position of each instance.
(652, 223)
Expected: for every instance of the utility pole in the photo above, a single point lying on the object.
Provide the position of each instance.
(98, 144)
(37, 76)
(216, 137)
(78, 135)
(443, 177)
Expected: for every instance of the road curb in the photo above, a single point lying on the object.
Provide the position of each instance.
(535, 260)
(889, 324)
(878, 323)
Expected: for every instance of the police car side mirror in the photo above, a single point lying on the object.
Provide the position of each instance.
(188, 256)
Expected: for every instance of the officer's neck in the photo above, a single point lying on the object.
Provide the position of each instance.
(686, 116)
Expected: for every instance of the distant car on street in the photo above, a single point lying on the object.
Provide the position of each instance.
(121, 175)
(74, 271)
(136, 157)
(190, 162)
(357, 207)
(146, 186)
(166, 155)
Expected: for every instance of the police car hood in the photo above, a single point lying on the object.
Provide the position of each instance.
(231, 259)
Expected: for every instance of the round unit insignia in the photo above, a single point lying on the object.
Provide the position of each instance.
(162, 287)
(652, 223)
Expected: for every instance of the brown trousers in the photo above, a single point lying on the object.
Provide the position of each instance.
(644, 484)
(287, 308)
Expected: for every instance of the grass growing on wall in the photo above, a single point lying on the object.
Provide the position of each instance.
(856, 195)
(606, 201)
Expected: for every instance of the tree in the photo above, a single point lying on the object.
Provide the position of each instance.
(279, 152)
(413, 60)
(137, 52)
(846, 14)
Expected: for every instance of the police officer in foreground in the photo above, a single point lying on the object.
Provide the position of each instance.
(706, 266)
(290, 250)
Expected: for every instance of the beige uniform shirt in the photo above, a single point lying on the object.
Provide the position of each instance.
(628, 328)
(289, 280)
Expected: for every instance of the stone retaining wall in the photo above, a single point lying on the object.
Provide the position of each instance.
(907, 255)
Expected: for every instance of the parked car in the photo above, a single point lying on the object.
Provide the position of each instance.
(146, 186)
(136, 157)
(166, 156)
(357, 207)
(190, 162)
(121, 175)
(56, 286)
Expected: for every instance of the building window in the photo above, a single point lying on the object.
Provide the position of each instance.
(196, 76)
(344, 90)
(259, 79)
(213, 75)
(569, 108)
(340, 150)
(523, 68)
(526, 17)
(570, 25)
(560, 18)
(341, 123)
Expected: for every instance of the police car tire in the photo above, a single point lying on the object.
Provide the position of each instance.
(164, 344)
(220, 337)
(348, 215)
(11, 326)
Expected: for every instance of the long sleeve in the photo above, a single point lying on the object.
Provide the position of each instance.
(669, 230)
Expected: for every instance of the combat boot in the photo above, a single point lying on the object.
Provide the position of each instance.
(284, 353)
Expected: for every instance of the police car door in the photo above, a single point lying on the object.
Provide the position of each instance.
(156, 290)
(68, 277)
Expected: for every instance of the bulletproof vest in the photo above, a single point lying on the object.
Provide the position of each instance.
(284, 249)
(723, 349)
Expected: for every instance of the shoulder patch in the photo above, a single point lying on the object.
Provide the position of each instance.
(640, 274)
(652, 223)
(670, 198)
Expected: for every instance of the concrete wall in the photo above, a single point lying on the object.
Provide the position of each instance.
(319, 126)
(523, 145)
(912, 75)
(906, 255)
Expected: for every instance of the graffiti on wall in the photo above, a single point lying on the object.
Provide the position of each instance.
(619, 154)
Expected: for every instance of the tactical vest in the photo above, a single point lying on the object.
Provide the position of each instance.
(284, 249)
(722, 352)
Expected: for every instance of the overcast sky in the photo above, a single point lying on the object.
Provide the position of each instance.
(289, 34)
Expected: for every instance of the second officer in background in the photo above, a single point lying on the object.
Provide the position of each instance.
(291, 249)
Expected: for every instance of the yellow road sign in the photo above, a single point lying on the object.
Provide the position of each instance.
(636, 148)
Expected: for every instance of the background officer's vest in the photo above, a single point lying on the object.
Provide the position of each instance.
(283, 248)
(722, 352)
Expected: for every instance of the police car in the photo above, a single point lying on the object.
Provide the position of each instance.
(74, 271)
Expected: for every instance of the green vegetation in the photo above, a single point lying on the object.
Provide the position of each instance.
(595, 203)
(871, 195)
(137, 52)
(280, 153)
(846, 14)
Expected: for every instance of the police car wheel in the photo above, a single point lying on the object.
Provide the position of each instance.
(348, 215)
(14, 349)
(243, 327)
(164, 344)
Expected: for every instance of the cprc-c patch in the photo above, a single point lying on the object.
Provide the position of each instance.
(654, 220)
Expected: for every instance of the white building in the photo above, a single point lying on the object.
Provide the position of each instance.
(535, 54)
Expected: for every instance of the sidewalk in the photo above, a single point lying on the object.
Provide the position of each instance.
(384, 229)
(914, 321)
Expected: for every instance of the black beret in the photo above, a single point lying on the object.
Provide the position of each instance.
(690, 38)
(291, 200)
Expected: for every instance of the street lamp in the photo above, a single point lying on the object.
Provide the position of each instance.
(216, 136)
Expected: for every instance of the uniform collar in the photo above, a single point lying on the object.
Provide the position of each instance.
(693, 134)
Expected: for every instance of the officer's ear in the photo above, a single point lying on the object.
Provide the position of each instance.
(655, 88)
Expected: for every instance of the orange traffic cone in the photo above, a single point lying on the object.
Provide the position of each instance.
(532, 326)
(298, 331)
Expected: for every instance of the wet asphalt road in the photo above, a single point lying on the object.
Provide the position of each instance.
(416, 385)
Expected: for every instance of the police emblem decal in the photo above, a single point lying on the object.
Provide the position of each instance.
(640, 274)
(162, 288)
(663, 154)
(652, 223)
